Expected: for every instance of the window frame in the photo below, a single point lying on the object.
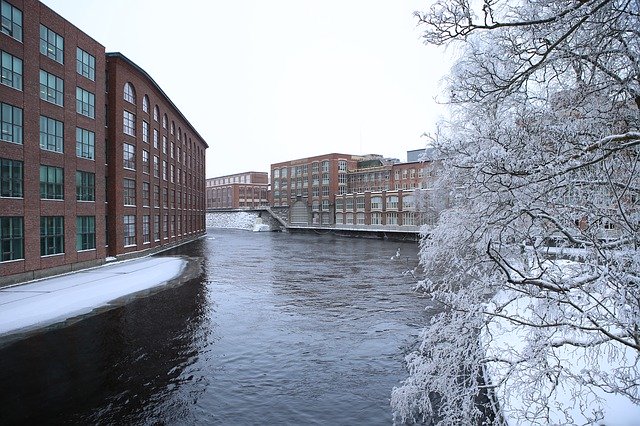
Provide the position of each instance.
(85, 186)
(85, 233)
(9, 76)
(52, 90)
(85, 64)
(51, 44)
(52, 134)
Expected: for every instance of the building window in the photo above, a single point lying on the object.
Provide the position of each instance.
(11, 122)
(156, 227)
(164, 145)
(342, 166)
(156, 166)
(392, 202)
(145, 161)
(11, 178)
(85, 186)
(165, 198)
(129, 156)
(392, 218)
(155, 138)
(128, 123)
(325, 191)
(85, 64)
(51, 134)
(51, 235)
(407, 202)
(156, 113)
(145, 131)
(129, 93)
(85, 102)
(325, 178)
(172, 174)
(164, 121)
(51, 44)
(129, 230)
(51, 88)
(145, 104)
(146, 193)
(360, 218)
(339, 218)
(408, 219)
(339, 204)
(325, 167)
(156, 196)
(85, 143)
(146, 230)
(164, 170)
(376, 203)
(51, 183)
(11, 70)
(129, 192)
(325, 205)
(85, 233)
(11, 20)
(11, 238)
(376, 218)
(165, 226)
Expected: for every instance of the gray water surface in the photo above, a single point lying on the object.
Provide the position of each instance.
(278, 329)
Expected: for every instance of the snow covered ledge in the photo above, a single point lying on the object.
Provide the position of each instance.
(39, 304)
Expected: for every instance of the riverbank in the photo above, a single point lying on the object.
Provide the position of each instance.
(55, 301)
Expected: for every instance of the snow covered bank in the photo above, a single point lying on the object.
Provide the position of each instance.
(232, 220)
(574, 377)
(53, 300)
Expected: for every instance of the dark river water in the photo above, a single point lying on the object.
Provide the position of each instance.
(278, 329)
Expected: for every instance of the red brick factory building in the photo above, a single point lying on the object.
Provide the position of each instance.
(78, 180)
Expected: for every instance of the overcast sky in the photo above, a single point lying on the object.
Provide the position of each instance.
(271, 81)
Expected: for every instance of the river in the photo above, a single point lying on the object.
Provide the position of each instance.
(278, 329)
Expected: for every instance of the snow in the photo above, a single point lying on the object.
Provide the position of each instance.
(515, 399)
(53, 300)
(232, 220)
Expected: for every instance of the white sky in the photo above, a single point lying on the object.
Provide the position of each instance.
(271, 81)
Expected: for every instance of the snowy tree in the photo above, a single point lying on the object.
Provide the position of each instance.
(534, 270)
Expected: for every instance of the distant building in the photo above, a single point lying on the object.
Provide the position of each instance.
(309, 185)
(345, 189)
(238, 191)
(61, 208)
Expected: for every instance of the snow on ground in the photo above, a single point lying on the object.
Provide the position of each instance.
(53, 300)
(233, 220)
(515, 398)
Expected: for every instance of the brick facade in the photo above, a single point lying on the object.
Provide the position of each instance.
(238, 191)
(60, 125)
(176, 191)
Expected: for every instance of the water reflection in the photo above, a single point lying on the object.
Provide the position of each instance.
(279, 328)
(117, 367)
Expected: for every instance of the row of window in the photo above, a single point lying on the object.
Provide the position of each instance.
(52, 233)
(51, 236)
(299, 171)
(51, 132)
(171, 224)
(408, 219)
(51, 43)
(51, 181)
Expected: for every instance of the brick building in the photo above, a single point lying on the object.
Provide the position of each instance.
(309, 185)
(237, 191)
(345, 189)
(54, 147)
(52, 211)
(156, 164)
